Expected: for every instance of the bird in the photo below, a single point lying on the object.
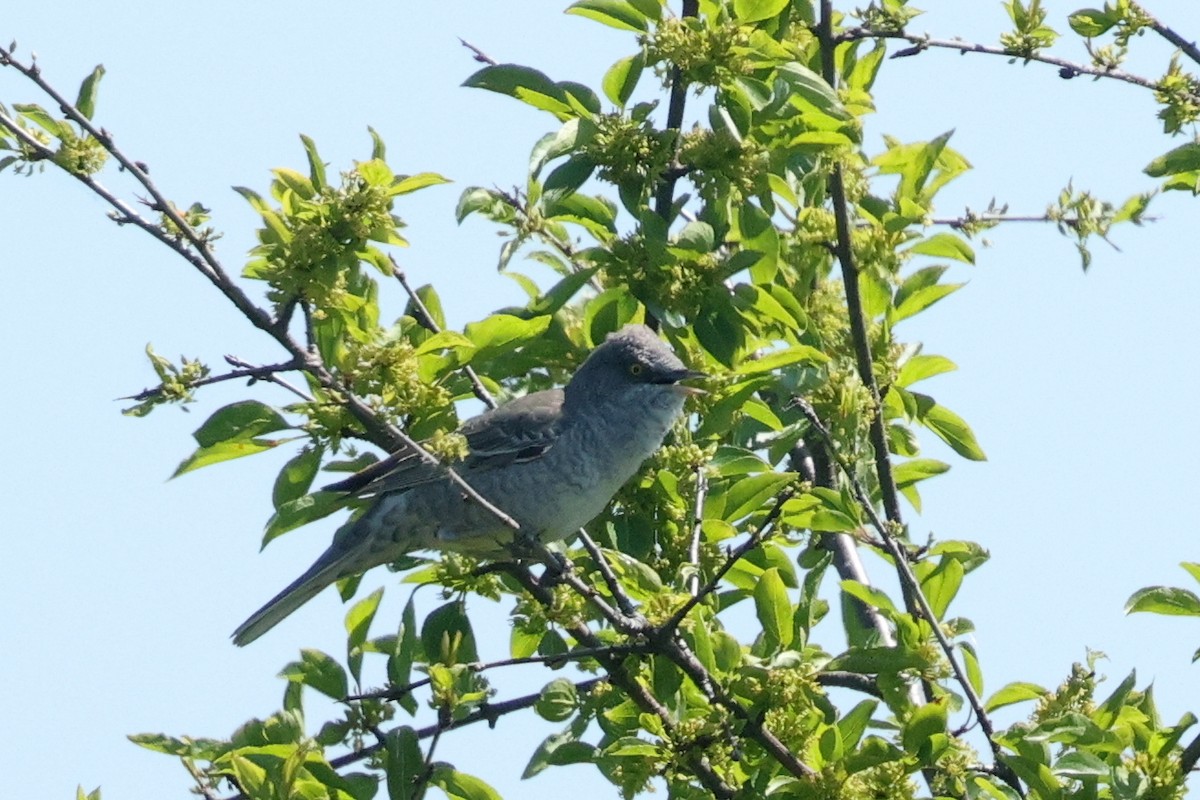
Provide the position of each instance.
(551, 460)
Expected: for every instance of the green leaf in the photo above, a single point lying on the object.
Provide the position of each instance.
(412, 183)
(800, 353)
(1091, 22)
(1109, 710)
(301, 511)
(914, 470)
(622, 78)
(921, 367)
(1164, 600)
(925, 721)
(941, 585)
(971, 665)
(756, 233)
(447, 637)
(296, 477)
(854, 723)
(226, 451)
(1082, 764)
(404, 762)
(875, 598)
(874, 660)
(748, 494)
(774, 609)
(1017, 692)
(949, 427)
(57, 128)
(757, 10)
(461, 786)
(1185, 158)
(358, 624)
(614, 13)
(557, 701)
(696, 237)
(241, 420)
(944, 245)
(559, 749)
(320, 671)
(504, 331)
(525, 84)
(568, 176)
(316, 167)
(813, 88)
(86, 101)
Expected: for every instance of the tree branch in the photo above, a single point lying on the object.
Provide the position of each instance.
(244, 370)
(921, 43)
(1189, 49)
(619, 676)
(912, 587)
(194, 248)
(395, 693)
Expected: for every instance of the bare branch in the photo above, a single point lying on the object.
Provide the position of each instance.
(427, 321)
(1189, 49)
(1066, 68)
(912, 587)
(757, 537)
(477, 54)
(697, 522)
(579, 654)
(254, 373)
(610, 579)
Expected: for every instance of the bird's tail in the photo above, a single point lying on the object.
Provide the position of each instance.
(298, 592)
(351, 553)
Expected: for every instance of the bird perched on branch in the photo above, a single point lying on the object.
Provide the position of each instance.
(551, 461)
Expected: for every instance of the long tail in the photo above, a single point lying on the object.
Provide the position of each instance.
(356, 548)
(298, 592)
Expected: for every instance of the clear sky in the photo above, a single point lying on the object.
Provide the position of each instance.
(120, 588)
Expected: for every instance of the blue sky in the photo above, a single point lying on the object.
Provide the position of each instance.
(121, 588)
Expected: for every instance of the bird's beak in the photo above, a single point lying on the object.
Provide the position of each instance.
(686, 375)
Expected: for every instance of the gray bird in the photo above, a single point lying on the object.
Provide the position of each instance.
(551, 460)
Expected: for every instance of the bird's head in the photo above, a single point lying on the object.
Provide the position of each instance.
(632, 357)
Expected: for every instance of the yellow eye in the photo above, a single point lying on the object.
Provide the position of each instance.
(635, 369)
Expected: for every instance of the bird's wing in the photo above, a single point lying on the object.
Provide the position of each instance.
(401, 470)
(520, 430)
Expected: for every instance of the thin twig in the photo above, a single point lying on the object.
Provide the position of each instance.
(850, 680)
(430, 324)
(753, 727)
(757, 537)
(270, 377)
(213, 270)
(259, 373)
(697, 525)
(606, 573)
(1189, 49)
(398, 692)
(1066, 68)
(620, 677)
(443, 721)
(196, 251)
(477, 54)
(488, 712)
(909, 580)
(817, 466)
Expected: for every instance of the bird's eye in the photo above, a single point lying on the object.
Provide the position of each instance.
(636, 369)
